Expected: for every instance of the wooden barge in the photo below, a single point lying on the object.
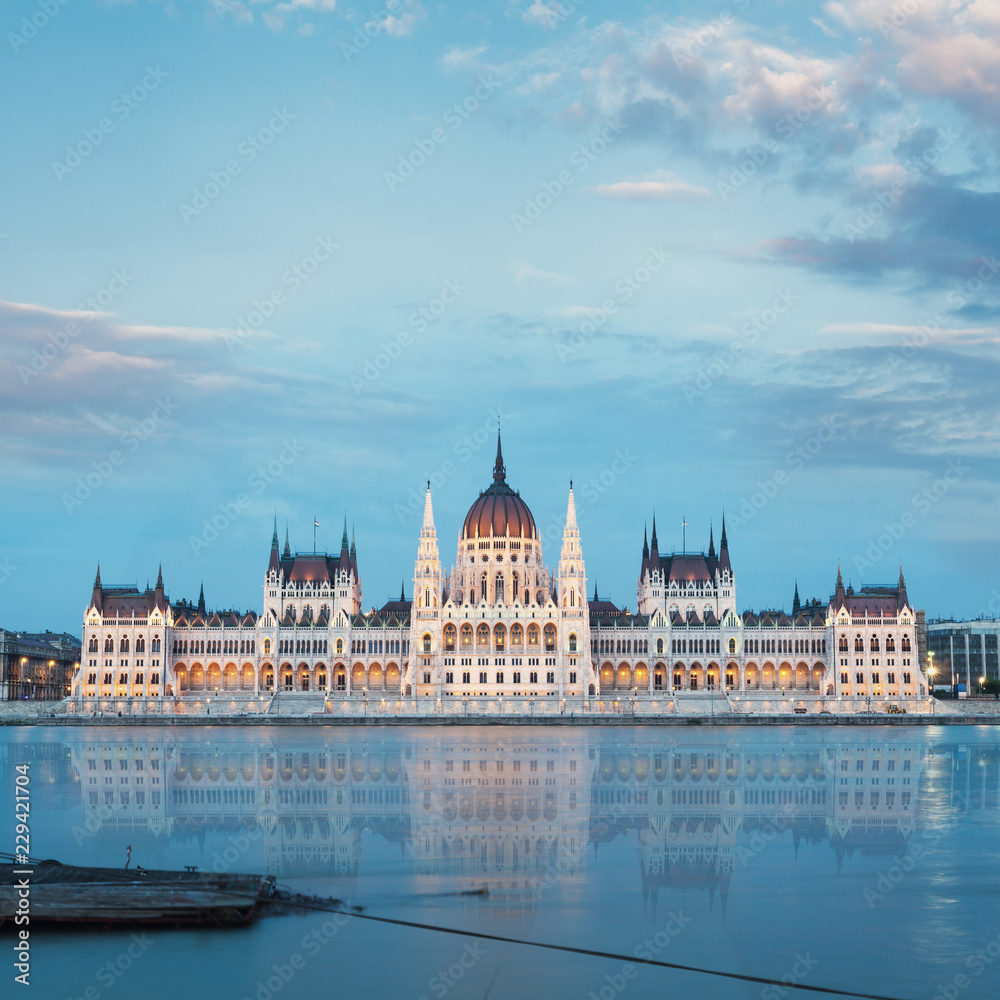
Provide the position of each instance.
(71, 895)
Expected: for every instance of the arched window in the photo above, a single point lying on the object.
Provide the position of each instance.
(427, 642)
(572, 642)
(905, 644)
(267, 647)
(340, 647)
(498, 591)
(659, 647)
(140, 644)
(92, 648)
(483, 635)
(859, 644)
(449, 638)
(873, 645)
(513, 588)
(532, 635)
(890, 644)
(466, 634)
(516, 634)
(550, 637)
(482, 588)
(123, 645)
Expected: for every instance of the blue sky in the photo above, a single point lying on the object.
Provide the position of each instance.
(697, 259)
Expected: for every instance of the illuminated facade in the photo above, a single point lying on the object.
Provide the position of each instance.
(500, 633)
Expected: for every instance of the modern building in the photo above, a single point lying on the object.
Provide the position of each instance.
(963, 652)
(500, 630)
(37, 666)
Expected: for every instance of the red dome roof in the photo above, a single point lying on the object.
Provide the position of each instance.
(499, 509)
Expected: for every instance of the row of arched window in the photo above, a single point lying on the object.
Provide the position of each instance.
(123, 644)
(873, 643)
(375, 646)
(499, 636)
(605, 647)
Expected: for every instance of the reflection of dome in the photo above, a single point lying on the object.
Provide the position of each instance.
(499, 510)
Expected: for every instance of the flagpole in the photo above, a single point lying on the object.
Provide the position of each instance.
(314, 535)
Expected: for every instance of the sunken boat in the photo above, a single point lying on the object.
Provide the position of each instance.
(74, 895)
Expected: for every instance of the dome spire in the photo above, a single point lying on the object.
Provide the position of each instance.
(499, 472)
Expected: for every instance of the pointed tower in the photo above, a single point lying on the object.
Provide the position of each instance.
(201, 600)
(428, 593)
(576, 671)
(287, 554)
(726, 578)
(97, 595)
(796, 603)
(711, 542)
(159, 597)
(274, 563)
(839, 594)
(901, 598)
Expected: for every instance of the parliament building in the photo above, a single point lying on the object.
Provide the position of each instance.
(500, 633)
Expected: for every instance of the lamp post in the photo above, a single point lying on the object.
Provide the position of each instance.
(931, 673)
(982, 684)
(365, 693)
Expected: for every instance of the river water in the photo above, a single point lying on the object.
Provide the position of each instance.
(863, 859)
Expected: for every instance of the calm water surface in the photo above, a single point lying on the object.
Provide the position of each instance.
(862, 859)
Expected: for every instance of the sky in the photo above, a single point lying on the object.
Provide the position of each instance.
(293, 259)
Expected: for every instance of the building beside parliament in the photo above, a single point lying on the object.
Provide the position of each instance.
(501, 630)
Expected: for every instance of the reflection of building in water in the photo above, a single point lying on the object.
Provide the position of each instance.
(518, 816)
(513, 817)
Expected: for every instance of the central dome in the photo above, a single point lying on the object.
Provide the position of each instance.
(499, 511)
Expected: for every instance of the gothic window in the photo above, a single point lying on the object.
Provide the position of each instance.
(340, 647)
(859, 644)
(140, 644)
(154, 678)
(532, 635)
(873, 645)
(516, 635)
(500, 677)
(466, 677)
(92, 648)
(890, 644)
(572, 643)
(513, 588)
(533, 677)
(466, 635)
(905, 644)
(109, 645)
(499, 638)
(659, 646)
(483, 635)
(123, 645)
(427, 642)
(517, 676)
(550, 637)
(499, 588)
(449, 638)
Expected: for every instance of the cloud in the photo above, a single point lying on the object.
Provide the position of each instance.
(661, 185)
(532, 277)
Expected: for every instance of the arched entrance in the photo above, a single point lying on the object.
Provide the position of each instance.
(375, 679)
(392, 678)
(768, 677)
(246, 677)
(752, 677)
(230, 678)
(802, 676)
(359, 679)
(786, 679)
(623, 678)
(697, 677)
(640, 677)
(607, 677)
(659, 677)
(267, 677)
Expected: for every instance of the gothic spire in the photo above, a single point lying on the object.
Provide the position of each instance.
(645, 544)
(653, 546)
(274, 537)
(201, 599)
(571, 510)
(428, 525)
(354, 551)
(287, 554)
(711, 541)
(402, 590)
(796, 603)
(499, 472)
(159, 577)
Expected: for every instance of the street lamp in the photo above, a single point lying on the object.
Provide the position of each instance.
(982, 683)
